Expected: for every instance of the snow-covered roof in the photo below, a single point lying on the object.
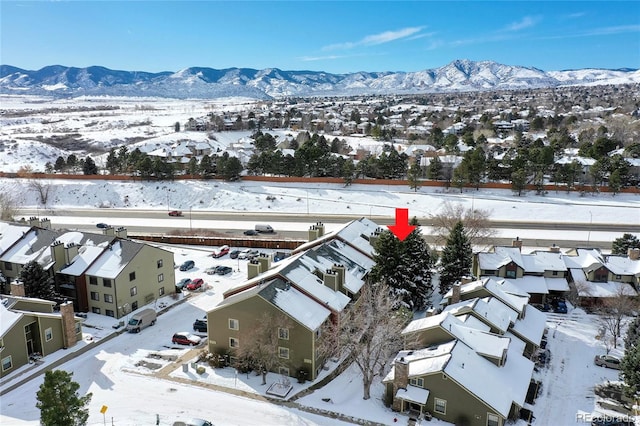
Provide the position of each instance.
(304, 310)
(622, 265)
(557, 284)
(600, 289)
(489, 309)
(506, 292)
(114, 259)
(531, 326)
(584, 258)
(500, 257)
(7, 319)
(413, 394)
(34, 246)
(9, 234)
(530, 283)
(86, 255)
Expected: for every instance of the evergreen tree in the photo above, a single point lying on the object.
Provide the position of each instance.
(456, 258)
(406, 268)
(176, 126)
(192, 166)
(89, 167)
(59, 402)
(37, 282)
(434, 172)
(72, 162)
(112, 162)
(518, 181)
(414, 176)
(232, 168)
(60, 165)
(633, 334)
(630, 371)
(621, 246)
(348, 171)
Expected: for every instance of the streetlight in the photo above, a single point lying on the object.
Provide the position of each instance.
(589, 234)
(190, 227)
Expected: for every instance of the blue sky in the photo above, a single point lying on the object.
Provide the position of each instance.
(332, 36)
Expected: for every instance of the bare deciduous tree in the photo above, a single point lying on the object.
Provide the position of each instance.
(259, 344)
(42, 187)
(8, 207)
(615, 309)
(368, 334)
(475, 222)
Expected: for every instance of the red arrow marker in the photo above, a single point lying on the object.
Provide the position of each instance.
(401, 229)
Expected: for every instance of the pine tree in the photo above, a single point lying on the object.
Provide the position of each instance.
(456, 258)
(633, 334)
(630, 371)
(37, 282)
(621, 246)
(89, 167)
(434, 172)
(414, 176)
(405, 267)
(59, 402)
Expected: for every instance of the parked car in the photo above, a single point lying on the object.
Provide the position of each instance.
(263, 228)
(233, 254)
(200, 325)
(607, 361)
(250, 232)
(193, 422)
(101, 225)
(248, 254)
(195, 284)
(224, 270)
(560, 307)
(220, 252)
(175, 213)
(211, 270)
(187, 264)
(185, 338)
(140, 320)
(183, 282)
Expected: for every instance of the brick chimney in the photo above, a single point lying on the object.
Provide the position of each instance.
(430, 312)
(633, 253)
(68, 324)
(17, 288)
(455, 293)
(517, 243)
(400, 380)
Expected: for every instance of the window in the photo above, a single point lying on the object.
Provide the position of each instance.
(134, 291)
(234, 324)
(110, 313)
(93, 280)
(161, 291)
(492, 420)
(554, 273)
(419, 382)
(283, 333)
(6, 363)
(134, 305)
(48, 334)
(618, 277)
(160, 263)
(108, 298)
(160, 278)
(95, 295)
(132, 276)
(283, 370)
(107, 282)
(283, 352)
(95, 310)
(440, 406)
(8, 266)
(233, 342)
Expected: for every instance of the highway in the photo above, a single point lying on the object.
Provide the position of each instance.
(295, 226)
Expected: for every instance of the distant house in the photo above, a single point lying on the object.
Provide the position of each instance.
(312, 286)
(30, 326)
(105, 273)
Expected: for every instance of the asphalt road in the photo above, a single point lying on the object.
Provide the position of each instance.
(295, 225)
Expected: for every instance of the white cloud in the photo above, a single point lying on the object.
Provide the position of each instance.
(526, 22)
(375, 39)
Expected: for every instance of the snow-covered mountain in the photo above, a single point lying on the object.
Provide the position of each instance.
(197, 82)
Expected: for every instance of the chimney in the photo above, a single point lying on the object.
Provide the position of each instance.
(341, 271)
(109, 231)
(121, 232)
(70, 252)
(314, 233)
(34, 221)
(68, 324)
(466, 279)
(373, 238)
(430, 312)
(58, 253)
(45, 223)
(330, 279)
(554, 248)
(455, 293)
(400, 380)
(633, 253)
(254, 268)
(265, 261)
(517, 243)
(17, 288)
(320, 227)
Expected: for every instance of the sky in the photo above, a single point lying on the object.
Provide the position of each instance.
(330, 36)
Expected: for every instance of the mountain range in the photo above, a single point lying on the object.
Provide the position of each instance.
(270, 83)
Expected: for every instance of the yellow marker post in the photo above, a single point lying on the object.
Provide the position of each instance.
(103, 410)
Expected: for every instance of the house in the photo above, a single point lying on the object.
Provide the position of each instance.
(29, 328)
(596, 277)
(308, 289)
(105, 273)
(541, 274)
(463, 372)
